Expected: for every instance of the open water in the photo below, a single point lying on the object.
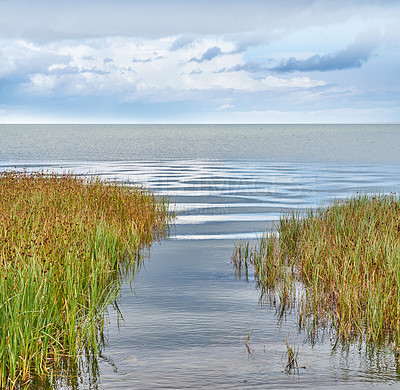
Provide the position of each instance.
(187, 317)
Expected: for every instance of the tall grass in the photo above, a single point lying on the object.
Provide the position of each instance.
(339, 267)
(64, 242)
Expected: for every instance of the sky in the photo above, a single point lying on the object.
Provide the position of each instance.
(199, 61)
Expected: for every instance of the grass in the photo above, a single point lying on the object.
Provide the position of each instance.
(248, 349)
(64, 244)
(338, 267)
(290, 358)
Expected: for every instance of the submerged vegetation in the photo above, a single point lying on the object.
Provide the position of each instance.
(65, 242)
(338, 267)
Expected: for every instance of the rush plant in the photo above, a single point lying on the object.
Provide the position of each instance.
(65, 241)
(338, 266)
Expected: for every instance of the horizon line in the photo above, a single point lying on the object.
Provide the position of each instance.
(201, 123)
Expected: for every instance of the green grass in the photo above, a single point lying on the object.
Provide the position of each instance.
(338, 267)
(64, 244)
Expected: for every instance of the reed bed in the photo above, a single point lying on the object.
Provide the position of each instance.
(338, 267)
(64, 243)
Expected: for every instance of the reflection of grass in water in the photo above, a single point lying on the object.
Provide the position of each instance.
(339, 268)
(65, 242)
(78, 373)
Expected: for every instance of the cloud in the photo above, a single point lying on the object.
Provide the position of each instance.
(82, 84)
(20, 58)
(245, 41)
(181, 42)
(211, 53)
(49, 20)
(190, 61)
(63, 70)
(248, 66)
(295, 82)
(225, 107)
(104, 68)
(353, 56)
(147, 59)
(135, 61)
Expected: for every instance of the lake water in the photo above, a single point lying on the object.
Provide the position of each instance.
(186, 322)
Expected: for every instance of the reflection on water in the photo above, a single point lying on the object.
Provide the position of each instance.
(371, 363)
(83, 373)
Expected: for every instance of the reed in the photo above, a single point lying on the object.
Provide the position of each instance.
(290, 358)
(64, 243)
(338, 266)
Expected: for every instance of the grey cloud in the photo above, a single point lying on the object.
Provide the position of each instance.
(249, 66)
(211, 53)
(147, 59)
(181, 43)
(107, 60)
(50, 20)
(251, 40)
(88, 58)
(353, 56)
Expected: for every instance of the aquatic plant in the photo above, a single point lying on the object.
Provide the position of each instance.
(338, 267)
(65, 241)
(290, 358)
(248, 349)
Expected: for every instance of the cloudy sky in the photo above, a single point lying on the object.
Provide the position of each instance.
(199, 61)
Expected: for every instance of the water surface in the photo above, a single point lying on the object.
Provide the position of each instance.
(187, 320)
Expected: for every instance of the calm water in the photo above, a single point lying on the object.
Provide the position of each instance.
(187, 319)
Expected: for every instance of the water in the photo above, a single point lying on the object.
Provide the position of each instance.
(187, 320)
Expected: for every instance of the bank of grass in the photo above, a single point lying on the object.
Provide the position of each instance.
(64, 242)
(339, 267)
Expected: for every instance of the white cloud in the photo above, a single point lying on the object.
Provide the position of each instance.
(225, 107)
(129, 69)
(294, 82)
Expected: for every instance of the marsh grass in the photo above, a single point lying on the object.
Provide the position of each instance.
(248, 349)
(290, 358)
(338, 267)
(65, 242)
